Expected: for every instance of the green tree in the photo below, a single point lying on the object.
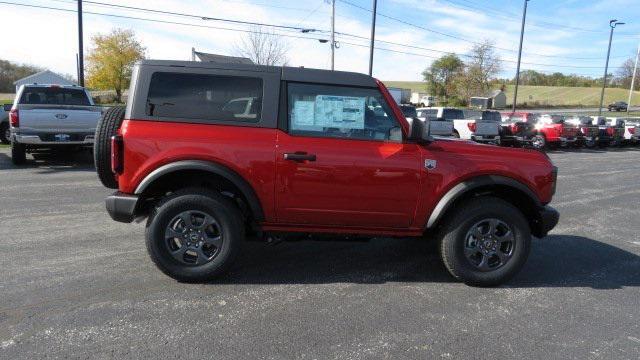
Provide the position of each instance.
(10, 72)
(111, 60)
(439, 76)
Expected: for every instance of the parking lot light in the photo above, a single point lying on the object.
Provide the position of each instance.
(612, 24)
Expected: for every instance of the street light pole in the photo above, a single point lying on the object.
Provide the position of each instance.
(515, 93)
(373, 36)
(612, 24)
(633, 79)
(80, 46)
(333, 33)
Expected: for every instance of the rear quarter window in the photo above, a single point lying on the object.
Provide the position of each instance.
(205, 97)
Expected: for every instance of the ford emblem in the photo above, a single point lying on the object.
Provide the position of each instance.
(61, 116)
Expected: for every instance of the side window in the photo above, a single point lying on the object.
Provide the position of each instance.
(204, 97)
(340, 112)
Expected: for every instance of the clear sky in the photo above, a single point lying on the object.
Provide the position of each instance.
(569, 36)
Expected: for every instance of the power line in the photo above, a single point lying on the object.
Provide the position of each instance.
(199, 16)
(455, 36)
(157, 20)
(280, 34)
(501, 13)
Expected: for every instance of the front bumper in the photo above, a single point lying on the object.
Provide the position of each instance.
(485, 138)
(548, 218)
(122, 207)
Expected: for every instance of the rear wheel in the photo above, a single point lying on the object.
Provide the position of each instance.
(5, 133)
(194, 235)
(456, 134)
(18, 153)
(107, 127)
(485, 242)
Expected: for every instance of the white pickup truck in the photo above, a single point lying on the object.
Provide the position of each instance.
(51, 116)
(481, 127)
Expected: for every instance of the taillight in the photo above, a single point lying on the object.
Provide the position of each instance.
(632, 130)
(610, 131)
(117, 158)
(14, 119)
(472, 126)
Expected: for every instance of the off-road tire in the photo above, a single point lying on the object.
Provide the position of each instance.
(454, 231)
(4, 132)
(222, 209)
(18, 153)
(107, 127)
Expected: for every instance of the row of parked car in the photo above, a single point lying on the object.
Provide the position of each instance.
(526, 129)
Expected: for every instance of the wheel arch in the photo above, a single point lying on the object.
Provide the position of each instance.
(194, 171)
(508, 189)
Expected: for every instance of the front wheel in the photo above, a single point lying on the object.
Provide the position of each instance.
(485, 242)
(194, 235)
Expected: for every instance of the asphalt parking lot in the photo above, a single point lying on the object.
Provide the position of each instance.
(75, 284)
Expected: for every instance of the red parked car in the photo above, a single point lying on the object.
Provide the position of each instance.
(212, 154)
(552, 131)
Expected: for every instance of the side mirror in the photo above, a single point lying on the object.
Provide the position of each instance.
(7, 107)
(420, 131)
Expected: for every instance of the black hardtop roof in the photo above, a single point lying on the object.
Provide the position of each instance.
(286, 73)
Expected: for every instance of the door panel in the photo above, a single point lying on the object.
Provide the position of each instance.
(350, 182)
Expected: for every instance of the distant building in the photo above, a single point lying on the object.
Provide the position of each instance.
(207, 57)
(497, 99)
(43, 77)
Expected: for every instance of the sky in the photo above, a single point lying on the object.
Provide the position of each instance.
(568, 36)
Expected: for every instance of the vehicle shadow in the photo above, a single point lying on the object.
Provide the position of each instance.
(556, 261)
(51, 162)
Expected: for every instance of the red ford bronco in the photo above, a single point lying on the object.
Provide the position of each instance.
(315, 152)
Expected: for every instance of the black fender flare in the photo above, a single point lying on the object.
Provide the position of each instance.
(468, 185)
(214, 168)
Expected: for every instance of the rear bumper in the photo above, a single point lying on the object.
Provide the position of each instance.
(122, 207)
(54, 139)
(548, 218)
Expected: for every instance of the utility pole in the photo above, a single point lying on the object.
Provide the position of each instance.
(80, 47)
(633, 79)
(515, 93)
(612, 24)
(333, 33)
(373, 36)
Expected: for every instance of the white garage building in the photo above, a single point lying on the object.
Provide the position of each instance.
(43, 77)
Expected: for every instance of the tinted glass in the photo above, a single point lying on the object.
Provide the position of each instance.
(451, 114)
(205, 97)
(409, 111)
(491, 116)
(427, 112)
(54, 96)
(341, 112)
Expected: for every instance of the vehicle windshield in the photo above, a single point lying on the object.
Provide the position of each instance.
(54, 96)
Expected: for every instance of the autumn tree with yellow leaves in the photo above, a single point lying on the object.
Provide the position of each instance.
(110, 60)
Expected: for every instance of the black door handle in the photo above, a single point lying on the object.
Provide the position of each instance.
(299, 156)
